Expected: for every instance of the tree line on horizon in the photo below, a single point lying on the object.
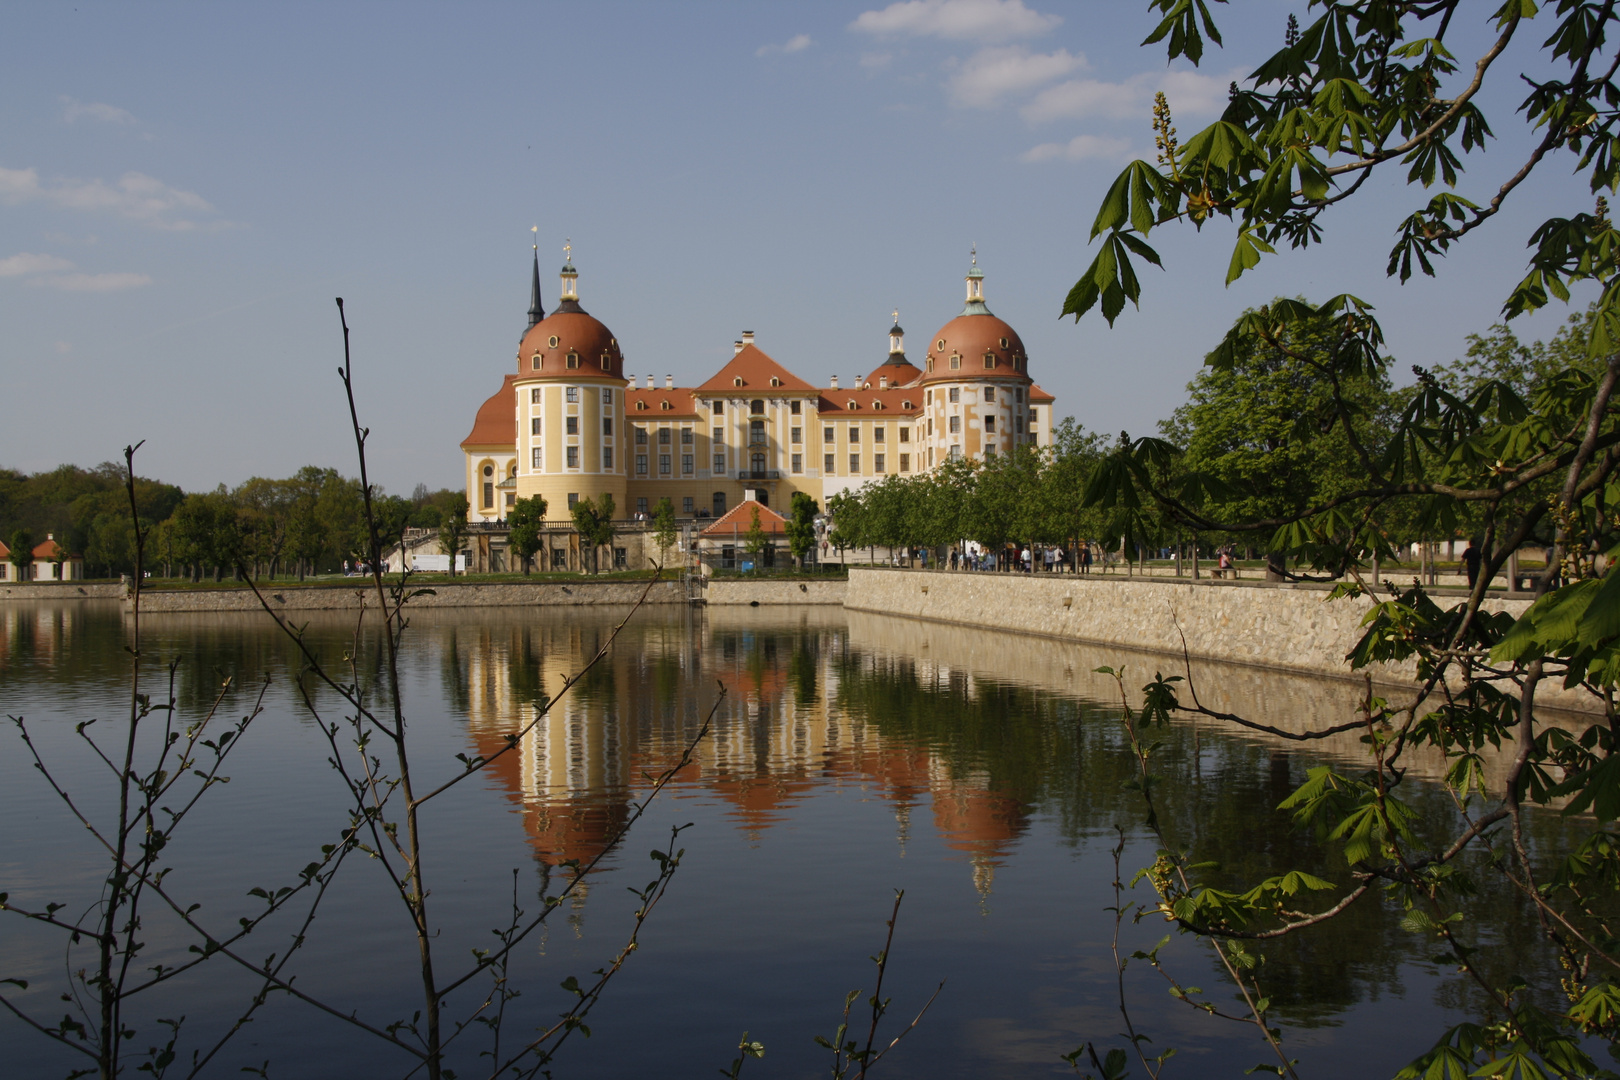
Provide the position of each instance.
(308, 523)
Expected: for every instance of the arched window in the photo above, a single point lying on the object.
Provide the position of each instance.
(756, 462)
(719, 504)
(534, 361)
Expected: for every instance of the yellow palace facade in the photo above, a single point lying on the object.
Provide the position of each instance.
(569, 424)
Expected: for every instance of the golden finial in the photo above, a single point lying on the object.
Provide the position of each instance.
(974, 251)
(568, 250)
(897, 316)
(536, 230)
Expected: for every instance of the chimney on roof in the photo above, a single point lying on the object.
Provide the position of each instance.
(748, 337)
(835, 382)
(736, 347)
(669, 382)
(649, 382)
(750, 494)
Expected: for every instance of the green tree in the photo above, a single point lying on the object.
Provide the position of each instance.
(22, 552)
(593, 521)
(801, 527)
(526, 518)
(453, 530)
(756, 539)
(664, 530)
(207, 532)
(1367, 87)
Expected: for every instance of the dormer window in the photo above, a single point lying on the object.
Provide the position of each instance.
(775, 381)
(940, 344)
(573, 359)
(641, 406)
(852, 405)
(553, 341)
(989, 361)
(1003, 343)
(737, 381)
(664, 405)
(956, 362)
(906, 404)
(930, 363)
(534, 362)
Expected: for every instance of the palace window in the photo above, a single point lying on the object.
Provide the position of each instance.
(798, 463)
(607, 425)
(905, 462)
(757, 407)
(607, 397)
(878, 462)
(553, 341)
(534, 396)
(571, 425)
(687, 505)
(571, 394)
(826, 434)
(573, 499)
(607, 457)
(854, 433)
(989, 393)
(641, 464)
(573, 359)
(928, 397)
(719, 464)
(758, 465)
(905, 434)
(641, 436)
(930, 425)
(1020, 419)
(686, 464)
(956, 362)
(719, 503)
(534, 362)
(534, 459)
(877, 434)
(989, 361)
(534, 425)
(793, 407)
(956, 452)
(641, 505)
(854, 464)
(686, 436)
(663, 464)
(989, 423)
(795, 435)
(489, 495)
(827, 465)
(717, 407)
(1018, 395)
(956, 394)
(663, 436)
(573, 457)
(756, 433)
(956, 425)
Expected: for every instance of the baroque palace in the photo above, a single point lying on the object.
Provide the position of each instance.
(569, 424)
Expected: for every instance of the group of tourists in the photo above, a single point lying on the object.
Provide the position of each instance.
(1051, 559)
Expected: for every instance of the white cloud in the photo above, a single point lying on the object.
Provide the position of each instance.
(80, 282)
(875, 61)
(26, 263)
(991, 74)
(73, 111)
(135, 196)
(796, 43)
(1079, 148)
(957, 20)
(1191, 94)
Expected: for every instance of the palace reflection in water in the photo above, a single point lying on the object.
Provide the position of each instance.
(781, 730)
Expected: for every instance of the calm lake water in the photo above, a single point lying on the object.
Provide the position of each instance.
(853, 755)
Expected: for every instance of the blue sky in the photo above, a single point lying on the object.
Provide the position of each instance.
(185, 188)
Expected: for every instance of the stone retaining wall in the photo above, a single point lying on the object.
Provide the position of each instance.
(346, 597)
(1275, 626)
(767, 592)
(62, 590)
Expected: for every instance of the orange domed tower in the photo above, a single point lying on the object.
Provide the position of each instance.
(570, 405)
(976, 384)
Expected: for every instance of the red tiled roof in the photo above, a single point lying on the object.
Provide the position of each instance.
(740, 519)
(867, 402)
(50, 550)
(1036, 394)
(756, 370)
(680, 399)
(496, 424)
(5, 552)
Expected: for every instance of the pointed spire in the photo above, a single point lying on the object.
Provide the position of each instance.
(536, 310)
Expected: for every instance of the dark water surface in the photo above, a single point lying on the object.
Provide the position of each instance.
(983, 773)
